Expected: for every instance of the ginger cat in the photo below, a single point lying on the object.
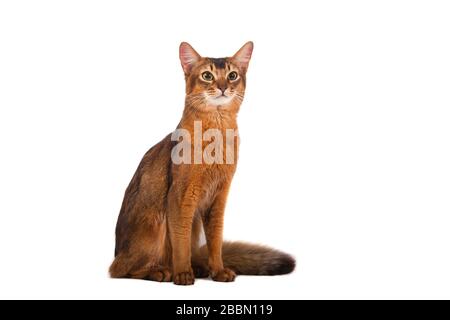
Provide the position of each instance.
(166, 204)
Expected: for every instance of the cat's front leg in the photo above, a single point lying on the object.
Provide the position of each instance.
(180, 218)
(213, 225)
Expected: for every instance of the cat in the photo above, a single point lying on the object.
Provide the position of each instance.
(167, 205)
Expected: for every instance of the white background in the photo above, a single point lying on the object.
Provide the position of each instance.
(345, 158)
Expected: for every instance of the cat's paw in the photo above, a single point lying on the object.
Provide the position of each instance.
(160, 275)
(224, 275)
(184, 278)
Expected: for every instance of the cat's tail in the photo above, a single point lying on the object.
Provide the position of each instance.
(251, 259)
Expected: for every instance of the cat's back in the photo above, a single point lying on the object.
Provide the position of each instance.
(152, 176)
(146, 196)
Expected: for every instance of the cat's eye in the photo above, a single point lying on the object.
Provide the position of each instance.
(207, 76)
(232, 76)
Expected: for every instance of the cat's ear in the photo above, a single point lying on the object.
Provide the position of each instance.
(188, 57)
(242, 57)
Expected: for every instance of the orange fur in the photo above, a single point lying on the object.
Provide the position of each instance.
(166, 204)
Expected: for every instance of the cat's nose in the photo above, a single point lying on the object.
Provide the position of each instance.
(222, 88)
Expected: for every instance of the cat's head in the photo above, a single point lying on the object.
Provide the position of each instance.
(213, 83)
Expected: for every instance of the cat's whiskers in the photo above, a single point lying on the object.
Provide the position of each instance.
(195, 100)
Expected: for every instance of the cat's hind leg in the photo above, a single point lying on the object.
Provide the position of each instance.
(146, 256)
(139, 268)
(153, 273)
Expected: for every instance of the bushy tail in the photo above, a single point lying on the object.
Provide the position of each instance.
(251, 259)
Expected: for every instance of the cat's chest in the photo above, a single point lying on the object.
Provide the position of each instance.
(213, 144)
(211, 180)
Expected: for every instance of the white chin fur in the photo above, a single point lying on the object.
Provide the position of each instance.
(219, 101)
